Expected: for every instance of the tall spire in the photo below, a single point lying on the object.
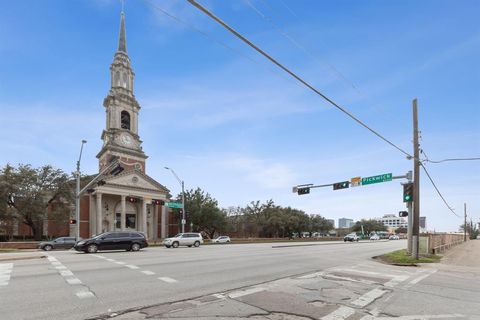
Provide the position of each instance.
(122, 40)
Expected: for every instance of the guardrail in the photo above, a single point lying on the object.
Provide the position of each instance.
(439, 242)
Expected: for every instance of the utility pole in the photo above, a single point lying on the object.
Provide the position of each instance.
(465, 223)
(77, 193)
(416, 184)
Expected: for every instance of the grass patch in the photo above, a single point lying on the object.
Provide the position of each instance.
(401, 257)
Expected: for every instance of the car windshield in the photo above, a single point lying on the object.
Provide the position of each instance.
(178, 235)
(100, 235)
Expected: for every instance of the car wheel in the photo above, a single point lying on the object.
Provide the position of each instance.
(357, 240)
(47, 247)
(197, 244)
(167, 246)
(344, 240)
(135, 247)
(175, 244)
(92, 248)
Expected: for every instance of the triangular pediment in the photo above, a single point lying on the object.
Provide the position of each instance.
(135, 179)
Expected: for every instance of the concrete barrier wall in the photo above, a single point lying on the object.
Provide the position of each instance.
(19, 245)
(439, 242)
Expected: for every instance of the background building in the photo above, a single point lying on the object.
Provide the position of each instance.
(393, 221)
(345, 223)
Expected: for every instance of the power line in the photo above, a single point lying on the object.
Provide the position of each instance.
(449, 159)
(301, 47)
(453, 159)
(291, 73)
(438, 191)
(206, 35)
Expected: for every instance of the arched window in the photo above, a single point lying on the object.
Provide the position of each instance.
(125, 116)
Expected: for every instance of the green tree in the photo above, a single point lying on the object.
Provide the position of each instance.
(38, 193)
(204, 213)
(369, 226)
(319, 224)
(472, 229)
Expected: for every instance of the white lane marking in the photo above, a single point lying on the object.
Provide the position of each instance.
(85, 294)
(340, 314)
(148, 273)
(383, 275)
(120, 262)
(416, 317)
(167, 279)
(312, 275)
(420, 278)
(237, 294)
(73, 281)
(5, 272)
(218, 295)
(111, 260)
(369, 297)
(131, 266)
(392, 283)
(66, 273)
(70, 278)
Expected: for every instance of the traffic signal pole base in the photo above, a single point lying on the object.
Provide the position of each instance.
(414, 253)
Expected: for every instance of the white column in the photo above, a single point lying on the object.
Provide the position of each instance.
(163, 230)
(92, 217)
(99, 213)
(150, 225)
(155, 213)
(122, 218)
(144, 217)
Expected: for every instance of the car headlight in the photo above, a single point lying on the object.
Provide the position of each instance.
(80, 243)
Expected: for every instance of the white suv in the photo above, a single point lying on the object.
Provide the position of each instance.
(184, 239)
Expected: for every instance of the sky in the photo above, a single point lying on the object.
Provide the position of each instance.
(230, 122)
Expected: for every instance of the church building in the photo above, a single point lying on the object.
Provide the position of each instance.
(130, 200)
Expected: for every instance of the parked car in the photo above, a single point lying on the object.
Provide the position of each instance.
(221, 239)
(121, 240)
(184, 239)
(350, 237)
(58, 243)
(394, 237)
(374, 237)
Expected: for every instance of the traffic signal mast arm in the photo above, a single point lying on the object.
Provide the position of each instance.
(99, 176)
(343, 185)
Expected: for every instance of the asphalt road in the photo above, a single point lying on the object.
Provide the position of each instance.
(71, 285)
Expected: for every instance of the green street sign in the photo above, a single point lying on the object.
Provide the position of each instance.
(176, 205)
(377, 179)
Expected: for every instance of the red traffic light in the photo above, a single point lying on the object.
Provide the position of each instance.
(158, 202)
(73, 221)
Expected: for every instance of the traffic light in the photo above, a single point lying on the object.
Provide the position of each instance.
(73, 221)
(180, 211)
(408, 192)
(132, 199)
(301, 191)
(403, 213)
(158, 202)
(341, 185)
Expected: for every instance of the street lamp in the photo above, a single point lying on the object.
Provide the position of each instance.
(183, 197)
(77, 192)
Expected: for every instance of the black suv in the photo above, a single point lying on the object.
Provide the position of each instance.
(121, 240)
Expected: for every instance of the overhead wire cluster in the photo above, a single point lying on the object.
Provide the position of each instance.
(297, 77)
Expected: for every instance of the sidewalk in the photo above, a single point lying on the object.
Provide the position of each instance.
(466, 255)
(22, 255)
